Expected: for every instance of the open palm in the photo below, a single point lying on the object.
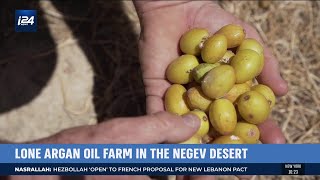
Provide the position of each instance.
(162, 27)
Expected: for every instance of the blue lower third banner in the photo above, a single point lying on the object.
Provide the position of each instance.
(159, 159)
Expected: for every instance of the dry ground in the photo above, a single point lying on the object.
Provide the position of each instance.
(83, 64)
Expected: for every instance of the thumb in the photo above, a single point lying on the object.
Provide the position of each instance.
(161, 127)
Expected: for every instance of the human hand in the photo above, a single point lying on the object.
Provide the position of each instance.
(162, 25)
(160, 127)
(164, 22)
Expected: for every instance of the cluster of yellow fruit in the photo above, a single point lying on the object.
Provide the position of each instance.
(215, 78)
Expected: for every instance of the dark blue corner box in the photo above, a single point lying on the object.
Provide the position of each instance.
(26, 21)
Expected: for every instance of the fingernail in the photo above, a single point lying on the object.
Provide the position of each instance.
(191, 120)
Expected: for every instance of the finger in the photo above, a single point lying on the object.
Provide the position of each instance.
(270, 133)
(157, 128)
(154, 104)
(161, 127)
(158, 45)
(270, 74)
(155, 90)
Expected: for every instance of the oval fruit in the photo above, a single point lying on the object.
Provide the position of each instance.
(218, 81)
(192, 140)
(197, 100)
(202, 69)
(178, 72)
(230, 139)
(223, 116)
(266, 92)
(236, 91)
(253, 107)
(246, 64)
(204, 125)
(249, 133)
(235, 34)
(191, 40)
(175, 100)
(252, 44)
(214, 48)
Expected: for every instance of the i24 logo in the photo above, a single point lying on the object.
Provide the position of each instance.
(25, 20)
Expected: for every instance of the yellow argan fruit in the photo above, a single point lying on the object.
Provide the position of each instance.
(214, 48)
(252, 44)
(249, 133)
(253, 107)
(191, 40)
(227, 57)
(204, 126)
(175, 100)
(266, 92)
(223, 116)
(236, 91)
(235, 34)
(246, 64)
(193, 140)
(229, 139)
(197, 100)
(218, 81)
(179, 71)
(202, 69)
